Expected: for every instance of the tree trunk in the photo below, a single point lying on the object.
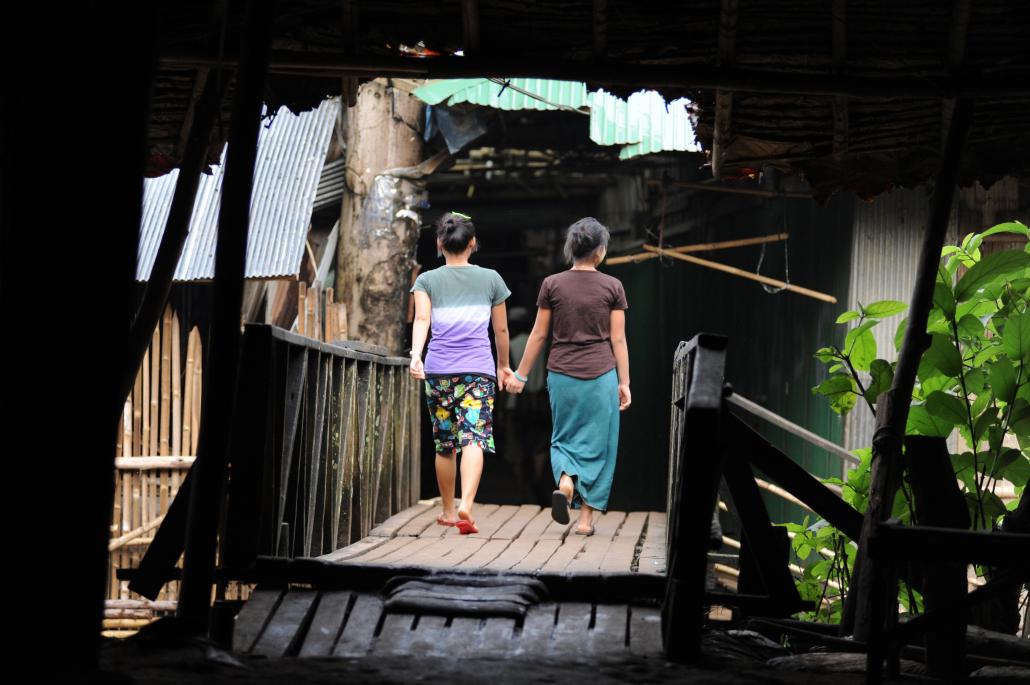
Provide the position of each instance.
(379, 226)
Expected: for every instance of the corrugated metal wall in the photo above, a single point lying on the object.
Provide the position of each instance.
(772, 336)
(886, 240)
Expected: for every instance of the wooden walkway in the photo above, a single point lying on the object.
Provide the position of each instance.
(520, 539)
(342, 624)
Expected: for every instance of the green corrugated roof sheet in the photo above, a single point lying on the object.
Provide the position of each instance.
(643, 124)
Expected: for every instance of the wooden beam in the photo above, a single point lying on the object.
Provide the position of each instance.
(839, 39)
(935, 544)
(779, 467)
(814, 294)
(719, 188)
(955, 55)
(722, 136)
(939, 503)
(210, 469)
(892, 407)
(968, 84)
(176, 229)
(600, 26)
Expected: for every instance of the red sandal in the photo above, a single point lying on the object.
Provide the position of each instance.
(440, 520)
(466, 527)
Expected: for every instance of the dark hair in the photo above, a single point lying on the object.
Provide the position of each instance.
(585, 237)
(455, 232)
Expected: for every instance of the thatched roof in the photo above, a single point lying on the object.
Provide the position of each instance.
(854, 95)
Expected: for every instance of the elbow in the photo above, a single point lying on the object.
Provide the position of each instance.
(619, 341)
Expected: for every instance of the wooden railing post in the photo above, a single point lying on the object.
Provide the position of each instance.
(697, 417)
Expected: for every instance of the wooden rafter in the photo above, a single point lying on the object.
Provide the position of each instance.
(723, 131)
(600, 26)
(840, 56)
(958, 29)
(975, 84)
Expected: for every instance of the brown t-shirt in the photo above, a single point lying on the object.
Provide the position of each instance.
(581, 304)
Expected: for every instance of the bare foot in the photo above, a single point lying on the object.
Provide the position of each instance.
(465, 512)
(447, 518)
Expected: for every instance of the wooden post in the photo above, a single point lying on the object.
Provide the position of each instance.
(699, 440)
(209, 470)
(377, 249)
(939, 503)
(892, 408)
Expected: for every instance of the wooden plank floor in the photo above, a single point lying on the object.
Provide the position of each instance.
(514, 538)
(306, 623)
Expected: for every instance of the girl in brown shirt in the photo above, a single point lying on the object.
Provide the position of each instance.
(588, 373)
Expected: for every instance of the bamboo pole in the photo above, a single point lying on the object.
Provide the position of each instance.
(155, 388)
(699, 247)
(182, 463)
(145, 404)
(803, 433)
(187, 395)
(135, 533)
(137, 413)
(164, 446)
(302, 307)
(176, 388)
(814, 294)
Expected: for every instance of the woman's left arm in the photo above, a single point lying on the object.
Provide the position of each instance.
(621, 350)
(499, 320)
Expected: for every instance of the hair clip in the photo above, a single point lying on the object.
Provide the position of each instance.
(463, 216)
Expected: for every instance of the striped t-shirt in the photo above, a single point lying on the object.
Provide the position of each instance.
(462, 297)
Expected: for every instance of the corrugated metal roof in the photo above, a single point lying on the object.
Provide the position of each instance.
(519, 93)
(330, 185)
(291, 154)
(644, 123)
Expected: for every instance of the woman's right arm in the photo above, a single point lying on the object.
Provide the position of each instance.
(535, 344)
(419, 333)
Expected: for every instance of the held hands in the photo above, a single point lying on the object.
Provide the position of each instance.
(417, 369)
(625, 399)
(504, 376)
(513, 384)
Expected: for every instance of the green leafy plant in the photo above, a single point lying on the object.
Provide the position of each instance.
(973, 382)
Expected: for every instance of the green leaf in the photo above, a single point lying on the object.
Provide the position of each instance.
(982, 423)
(885, 308)
(978, 309)
(899, 333)
(1007, 227)
(881, 375)
(947, 407)
(970, 327)
(1003, 379)
(840, 391)
(1004, 460)
(1018, 472)
(826, 355)
(944, 299)
(944, 356)
(860, 345)
(1015, 338)
(992, 267)
(848, 316)
(920, 422)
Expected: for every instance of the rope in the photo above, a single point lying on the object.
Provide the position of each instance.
(786, 255)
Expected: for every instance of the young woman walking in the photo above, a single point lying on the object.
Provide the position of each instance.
(459, 300)
(588, 373)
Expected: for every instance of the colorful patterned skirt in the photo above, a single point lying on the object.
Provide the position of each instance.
(461, 407)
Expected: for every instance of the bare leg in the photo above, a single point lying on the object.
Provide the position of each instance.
(586, 518)
(567, 486)
(445, 477)
(471, 472)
